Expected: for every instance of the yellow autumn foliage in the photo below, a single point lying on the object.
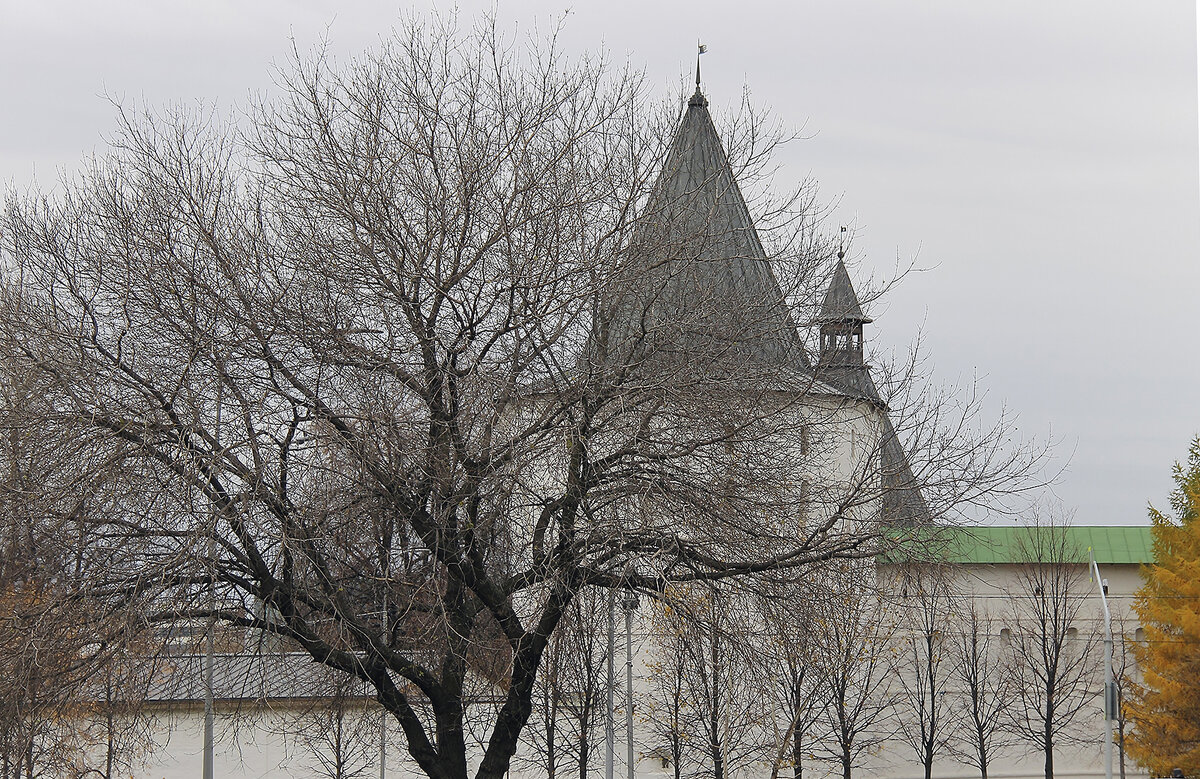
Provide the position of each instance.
(1165, 706)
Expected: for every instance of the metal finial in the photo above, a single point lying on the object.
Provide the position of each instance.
(842, 245)
(697, 99)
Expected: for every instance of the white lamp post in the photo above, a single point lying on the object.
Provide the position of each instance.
(1110, 688)
(629, 602)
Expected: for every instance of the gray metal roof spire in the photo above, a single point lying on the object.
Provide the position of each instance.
(841, 302)
(841, 320)
(698, 280)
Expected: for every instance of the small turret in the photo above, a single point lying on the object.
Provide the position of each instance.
(841, 322)
(841, 364)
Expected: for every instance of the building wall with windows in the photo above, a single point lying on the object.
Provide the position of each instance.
(998, 571)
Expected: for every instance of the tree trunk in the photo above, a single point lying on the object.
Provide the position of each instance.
(797, 755)
(1049, 748)
(1048, 732)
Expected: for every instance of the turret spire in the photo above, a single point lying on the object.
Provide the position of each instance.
(841, 302)
(841, 321)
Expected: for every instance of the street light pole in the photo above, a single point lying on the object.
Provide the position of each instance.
(209, 723)
(383, 717)
(608, 713)
(1110, 691)
(206, 766)
(629, 602)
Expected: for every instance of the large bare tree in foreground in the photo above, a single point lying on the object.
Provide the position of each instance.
(388, 375)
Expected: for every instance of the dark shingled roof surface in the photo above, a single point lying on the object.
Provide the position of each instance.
(247, 677)
(699, 281)
(841, 303)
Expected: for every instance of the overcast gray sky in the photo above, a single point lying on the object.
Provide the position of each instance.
(1039, 157)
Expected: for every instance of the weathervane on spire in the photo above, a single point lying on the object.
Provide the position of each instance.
(698, 100)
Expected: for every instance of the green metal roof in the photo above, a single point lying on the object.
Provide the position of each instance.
(1111, 544)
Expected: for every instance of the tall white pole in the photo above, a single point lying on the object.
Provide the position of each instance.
(383, 745)
(1110, 697)
(629, 604)
(608, 714)
(208, 691)
(384, 715)
(207, 764)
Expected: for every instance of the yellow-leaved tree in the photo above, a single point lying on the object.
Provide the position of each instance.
(1165, 706)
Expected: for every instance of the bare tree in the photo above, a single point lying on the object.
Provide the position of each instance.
(72, 688)
(544, 734)
(430, 335)
(72, 696)
(705, 690)
(668, 709)
(571, 693)
(34, 738)
(983, 686)
(1125, 670)
(786, 673)
(39, 642)
(114, 726)
(853, 631)
(924, 666)
(339, 731)
(1053, 648)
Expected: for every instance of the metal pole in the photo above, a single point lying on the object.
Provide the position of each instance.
(383, 718)
(629, 604)
(207, 766)
(1110, 698)
(383, 745)
(608, 714)
(208, 693)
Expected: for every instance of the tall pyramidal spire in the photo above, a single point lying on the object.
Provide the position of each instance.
(699, 281)
(841, 302)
